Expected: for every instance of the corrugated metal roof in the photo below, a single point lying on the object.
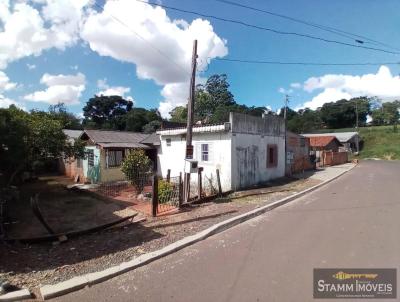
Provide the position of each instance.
(122, 139)
(123, 145)
(74, 134)
(341, 136)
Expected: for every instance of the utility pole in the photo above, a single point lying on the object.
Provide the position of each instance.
(357, 142)
(284, 117)
(190, 118)
(190, 115)
(286, 105)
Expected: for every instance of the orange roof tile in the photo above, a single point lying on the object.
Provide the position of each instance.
(321, 141)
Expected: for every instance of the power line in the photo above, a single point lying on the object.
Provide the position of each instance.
(333, 30)
(142, 38)
(266, 28)
(305, 63)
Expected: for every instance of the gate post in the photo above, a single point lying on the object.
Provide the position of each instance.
(168, 175)
(199, 183)
(219, 184)
(180, 190)
(154, 197)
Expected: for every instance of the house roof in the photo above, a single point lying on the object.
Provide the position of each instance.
(72, 134)
(343, 137)
(121, 139)
(321, 141)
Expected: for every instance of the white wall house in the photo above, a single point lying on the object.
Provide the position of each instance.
(247, 151)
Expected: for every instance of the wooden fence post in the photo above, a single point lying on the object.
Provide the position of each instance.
(199, 183)
(187, 187)
(219, 184)
(154, 203)
(168, 175)
(180, 190)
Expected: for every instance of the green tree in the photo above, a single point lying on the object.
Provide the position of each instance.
(135, 166)
(179, 114)
(137, 118)
(68, 120)
(26, 138)
(151, 127)
(387, 114)
(106, 112)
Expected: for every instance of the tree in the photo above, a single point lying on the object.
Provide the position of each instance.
(68, 120)
(151, 127)
(387, 114)
(26, 138)
(137, 118)
(106, 112)
(135, 166)
(179, 114)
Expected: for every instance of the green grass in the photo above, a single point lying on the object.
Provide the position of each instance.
(378, 142)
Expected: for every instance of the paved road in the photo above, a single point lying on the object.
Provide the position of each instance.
(352, 222)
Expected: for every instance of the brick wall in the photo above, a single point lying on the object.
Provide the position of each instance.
(335, 158)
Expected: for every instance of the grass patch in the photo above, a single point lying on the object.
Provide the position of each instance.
(378, 142)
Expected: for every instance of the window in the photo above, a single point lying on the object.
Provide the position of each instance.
(168, 140)
(204, 152)
(90, 157)
(79, 162)
(272, 155)
(115, 158)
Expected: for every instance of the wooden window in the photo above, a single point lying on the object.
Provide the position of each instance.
(272, 156)
(204, 152)
(168, 140)
(90, 157)
(115, 158)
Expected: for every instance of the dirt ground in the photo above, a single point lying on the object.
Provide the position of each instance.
(64, 209)
(46, 263)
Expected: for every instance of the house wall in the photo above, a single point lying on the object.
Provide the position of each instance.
(250, 138)
(300, 154)
(110, 173)
(172, 157)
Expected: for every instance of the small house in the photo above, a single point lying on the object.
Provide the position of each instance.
(71, 167)
(297, 153)
(105, 151)
(350, 141)
(247, 150)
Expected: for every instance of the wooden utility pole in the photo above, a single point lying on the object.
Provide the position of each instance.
(286, 105)
(190, 115)
(190, 118)
(357, 142)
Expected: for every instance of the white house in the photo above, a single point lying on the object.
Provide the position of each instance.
(247, 151)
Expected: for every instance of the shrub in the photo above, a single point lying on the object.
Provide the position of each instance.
(135, 166)
(165, 190)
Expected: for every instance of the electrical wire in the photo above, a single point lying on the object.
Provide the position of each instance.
(266, 28)
(333, 30)
(305, 63)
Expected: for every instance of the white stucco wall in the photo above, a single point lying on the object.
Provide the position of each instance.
(249, 159)
(172, 157)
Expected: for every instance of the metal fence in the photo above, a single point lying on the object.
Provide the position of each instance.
(169, 194)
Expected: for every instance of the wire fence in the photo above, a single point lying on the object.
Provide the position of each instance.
(169, 194)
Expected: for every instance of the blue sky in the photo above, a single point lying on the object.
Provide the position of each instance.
(90, 60)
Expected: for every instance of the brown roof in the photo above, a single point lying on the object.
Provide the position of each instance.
(321, 141)
(109, 138)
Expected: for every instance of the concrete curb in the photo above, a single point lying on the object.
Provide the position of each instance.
(16, 295)
(51, 291)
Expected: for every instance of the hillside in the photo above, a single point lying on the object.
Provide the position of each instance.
(380, 141)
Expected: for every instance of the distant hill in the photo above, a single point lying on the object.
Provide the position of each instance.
(378, 141)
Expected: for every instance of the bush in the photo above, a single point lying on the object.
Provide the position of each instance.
(135, 167)
(165, 190)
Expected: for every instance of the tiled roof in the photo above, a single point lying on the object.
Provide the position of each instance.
(341, 136)
(321, 141)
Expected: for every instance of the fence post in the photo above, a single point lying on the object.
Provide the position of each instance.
(154, 203)
(219, 184)
(168, 175)
(187, 187)
(180, 190)
(199, 183)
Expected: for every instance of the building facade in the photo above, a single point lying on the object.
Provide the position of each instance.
(247, 151)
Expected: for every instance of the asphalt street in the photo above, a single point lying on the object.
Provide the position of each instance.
(353, 222)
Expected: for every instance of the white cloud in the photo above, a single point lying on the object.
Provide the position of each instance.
(6, 102)
(168, 64)
(61, 88)
(285, 91)
(383, 85)
(30, 66)
(107, 90)
(296, 85)
(5, 83)
(27, 30)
